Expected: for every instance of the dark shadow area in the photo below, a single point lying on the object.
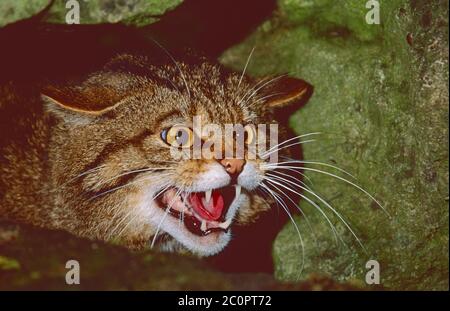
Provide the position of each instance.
(34, 49)
(211, 26)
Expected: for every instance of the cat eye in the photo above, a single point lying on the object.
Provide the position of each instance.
(178, 136)
(249, 134)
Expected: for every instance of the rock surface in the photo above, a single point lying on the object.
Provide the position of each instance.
(136, 12)
(381, 102)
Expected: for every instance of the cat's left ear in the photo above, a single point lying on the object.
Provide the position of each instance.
(79, 104)
(287, 93)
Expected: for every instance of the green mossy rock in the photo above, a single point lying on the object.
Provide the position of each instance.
(135, 12)
(13, 10)
(381, 102)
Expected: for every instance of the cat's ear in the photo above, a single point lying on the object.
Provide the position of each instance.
(79, 104)
(287, 93)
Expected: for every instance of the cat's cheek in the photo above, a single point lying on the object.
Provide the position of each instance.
(250, 177)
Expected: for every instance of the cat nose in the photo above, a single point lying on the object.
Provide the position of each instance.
(233, 166)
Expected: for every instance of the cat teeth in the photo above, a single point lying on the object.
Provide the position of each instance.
(238, 191)
(208, 195)
(226, 224)
(203, 226)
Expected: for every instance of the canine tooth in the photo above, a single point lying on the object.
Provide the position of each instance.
(238, 191)
(208, 195)
(203, 226)
(225, 224)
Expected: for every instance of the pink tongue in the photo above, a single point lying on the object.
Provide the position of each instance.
(209, 211)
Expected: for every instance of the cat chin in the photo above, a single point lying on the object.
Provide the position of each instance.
(201, 246)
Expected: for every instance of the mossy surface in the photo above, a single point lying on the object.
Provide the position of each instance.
(381, 102)
(134, 12)
(13, 10)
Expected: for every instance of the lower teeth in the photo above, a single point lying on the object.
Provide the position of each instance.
(203, 226)
(226, 224)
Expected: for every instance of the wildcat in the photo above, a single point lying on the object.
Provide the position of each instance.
(92, 156)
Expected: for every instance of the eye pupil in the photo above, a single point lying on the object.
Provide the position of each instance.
(178, 136)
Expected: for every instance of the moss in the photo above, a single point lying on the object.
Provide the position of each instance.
(8, 264)
(13, 10)
(381, 102)
(136, 12)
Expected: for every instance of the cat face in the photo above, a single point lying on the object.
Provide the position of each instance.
(124, 157)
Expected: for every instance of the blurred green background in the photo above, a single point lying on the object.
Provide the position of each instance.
(381, 102)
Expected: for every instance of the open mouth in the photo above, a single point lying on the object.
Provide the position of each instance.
(201, 212)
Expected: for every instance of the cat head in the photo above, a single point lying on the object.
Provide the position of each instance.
(133, 163)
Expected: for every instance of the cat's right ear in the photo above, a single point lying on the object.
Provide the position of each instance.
(79, 104)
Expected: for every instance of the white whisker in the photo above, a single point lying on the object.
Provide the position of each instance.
(176, 64)
(245, 69)
(291, 139)
(335, 176)
(266, 154)
(127, 185)
(279, 200)
(169, 206)
(331, 208)
(300, 210)
(333, 228)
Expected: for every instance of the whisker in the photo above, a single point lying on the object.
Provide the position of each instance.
(260, 87)
(90, 171)
(158, 193)
(331, 208)
(333, 228)
(148, 169)
(178, 90)
(273, 170)
(300, 210)
(176, 64)
(279, 200)
(317, 163)
(245, 69)
(291, 177)
(291, 139)
(164, 217)
(266, 154)
(266, 97)
(338, 177)
(127, 185)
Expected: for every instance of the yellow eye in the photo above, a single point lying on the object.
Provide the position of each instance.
(178, 136)
(249, 134)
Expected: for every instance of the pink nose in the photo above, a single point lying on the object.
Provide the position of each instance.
(233, 166)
